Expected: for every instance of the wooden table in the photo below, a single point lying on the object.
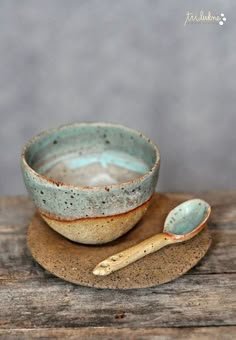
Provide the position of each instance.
(199, 305)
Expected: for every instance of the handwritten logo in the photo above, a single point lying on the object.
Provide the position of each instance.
(202, 18)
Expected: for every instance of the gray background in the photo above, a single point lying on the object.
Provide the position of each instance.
(129, 61)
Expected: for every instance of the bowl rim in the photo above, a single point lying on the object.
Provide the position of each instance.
(62, 184)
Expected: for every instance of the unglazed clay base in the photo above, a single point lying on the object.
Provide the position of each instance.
(74, 262)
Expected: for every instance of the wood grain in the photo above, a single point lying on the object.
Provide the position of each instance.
(17, 263)
(100, 333)
(189, 301)
(33, 302)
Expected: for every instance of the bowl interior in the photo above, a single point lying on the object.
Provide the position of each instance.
(91, 154)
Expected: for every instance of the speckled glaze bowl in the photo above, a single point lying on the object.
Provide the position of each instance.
(91, 182)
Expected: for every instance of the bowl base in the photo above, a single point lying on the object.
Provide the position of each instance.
(98, 230)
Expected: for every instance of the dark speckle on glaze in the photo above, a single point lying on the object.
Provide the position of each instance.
(57, 156)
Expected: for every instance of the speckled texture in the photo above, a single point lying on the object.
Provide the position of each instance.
(98, 230)
(74, 263)
(188, 217)
(74, 146)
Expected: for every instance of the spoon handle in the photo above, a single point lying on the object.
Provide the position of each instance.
(132, 254)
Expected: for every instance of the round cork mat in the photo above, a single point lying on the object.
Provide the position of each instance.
(74, 262)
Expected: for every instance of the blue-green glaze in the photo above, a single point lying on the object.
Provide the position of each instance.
(76, 145)
(105, 158)
(186, 217)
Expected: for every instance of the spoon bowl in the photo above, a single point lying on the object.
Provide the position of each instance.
(187, 219)
(182, 223)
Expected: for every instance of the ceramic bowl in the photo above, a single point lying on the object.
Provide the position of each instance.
(91, 182)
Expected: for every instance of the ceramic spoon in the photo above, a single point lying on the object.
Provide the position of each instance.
(182, 223)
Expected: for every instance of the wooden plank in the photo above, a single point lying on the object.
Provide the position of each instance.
(223, 205)
(32, 298)
(203, 333)
(208, 300)
(221, 255)
(219, 197)
(17, 263)
(15, 213)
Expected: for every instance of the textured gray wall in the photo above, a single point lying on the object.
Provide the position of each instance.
(128, 61)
